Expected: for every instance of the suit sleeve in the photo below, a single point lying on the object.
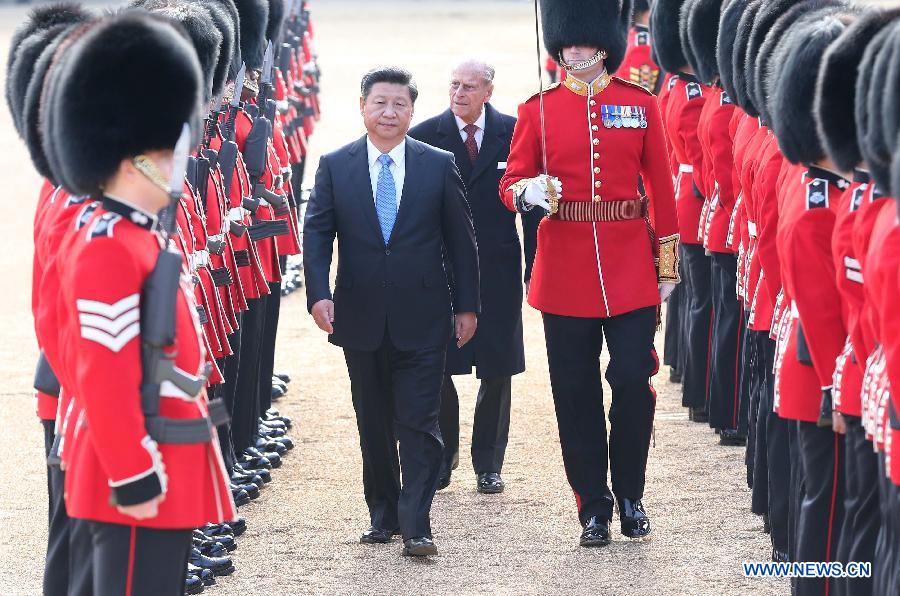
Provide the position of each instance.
(319, 231)
(108, 370)
(808, 258)
(459, 242)
(524, 159)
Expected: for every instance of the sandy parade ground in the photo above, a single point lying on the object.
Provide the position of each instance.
(304, 530)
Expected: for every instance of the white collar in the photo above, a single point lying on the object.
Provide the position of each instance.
(398, 153)
(461, 124)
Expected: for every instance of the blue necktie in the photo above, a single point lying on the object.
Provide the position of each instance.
(386, 197)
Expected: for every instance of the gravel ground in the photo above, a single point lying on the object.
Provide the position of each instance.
(303, 531)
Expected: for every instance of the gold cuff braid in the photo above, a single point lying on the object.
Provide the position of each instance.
(667, 264)
(518, 188)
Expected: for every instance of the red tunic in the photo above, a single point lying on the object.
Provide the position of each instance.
(638, 65)
(594, 269)
(105, 266)
(717, 145)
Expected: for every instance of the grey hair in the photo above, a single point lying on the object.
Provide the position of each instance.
(486, 70)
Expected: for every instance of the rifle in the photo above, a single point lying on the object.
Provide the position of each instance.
(159, 298)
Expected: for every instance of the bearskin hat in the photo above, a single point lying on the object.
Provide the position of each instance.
(593, 23)
(254, 18)
(836, 87)
(42, 26)
(276, 20)
(683, 17)
(895, 172)
(665, 24)
(799, 57)
(871, 95)
(890, 116)
(703, 29)
(641, 6)
(739, 58)
(224, 25)
(728, 24)
(97, 120)
(235, 21)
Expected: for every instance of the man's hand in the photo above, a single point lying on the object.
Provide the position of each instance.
(145, 510)
(536, 191)
(466, 322)
(665, 290)
(323, 314)
(838, 424)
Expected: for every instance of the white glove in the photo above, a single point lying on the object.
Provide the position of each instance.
(665, 290)
(536, 192)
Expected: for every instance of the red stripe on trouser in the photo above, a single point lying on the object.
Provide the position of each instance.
(737, 369)
(131, 548)
(712, 312)
(834, 483)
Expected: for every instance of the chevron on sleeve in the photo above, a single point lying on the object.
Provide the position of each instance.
(110, 325)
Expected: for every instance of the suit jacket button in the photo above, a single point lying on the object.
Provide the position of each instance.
(387, 251)
(384, 284)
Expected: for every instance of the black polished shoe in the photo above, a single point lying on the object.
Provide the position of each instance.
(731, 437)
(635, 523)
(254, 462)
(269, 433)
(266, 447)
(218, 565)
(205, 575)
(272, 423)
(490, 483)
(697, 415)
(251, 489)
(216, 529)
(245, 477)
(238, 526)
(419, 547)
(240, 497)
(277, 392)
(210, 548)
(276, 382)
(767, 528)
(283, 377)
(225, 541)
(378, 535)
(273, 457)
(264, 474)
(193, 585)
(674, 375)
(780, 556)
(595, 532)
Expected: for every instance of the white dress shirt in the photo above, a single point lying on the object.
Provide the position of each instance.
(397, 167)
(479, 134)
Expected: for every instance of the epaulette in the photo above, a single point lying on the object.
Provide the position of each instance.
(75, 200)
(632, 84)
(693, 90)
(672, 80)
(857, 197)
(85, 214)
(817, 193)
(725, 99)
(103, 226)
(642, 38)
(550, 87)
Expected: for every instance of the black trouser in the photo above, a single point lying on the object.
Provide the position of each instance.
(267, 349)
(749, 397)
(861, 506)
(56, 563)
(230, 369)
(725, 353)
(573, 352)
(490, 431)
(796, 490)
(763, 355)
(885, 545)
(245, 423)
(223, 431)
(698, 312)
(673, 333)
(778, 458)
(822, 510)
(135, 561)
(396, 395)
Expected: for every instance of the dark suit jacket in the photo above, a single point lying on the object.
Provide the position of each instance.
(497, 348)
(401, 286)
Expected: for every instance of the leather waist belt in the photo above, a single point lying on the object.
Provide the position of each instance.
(242, 258)
(221, 276)
(185, 432)
(685, 168)
(600, 210)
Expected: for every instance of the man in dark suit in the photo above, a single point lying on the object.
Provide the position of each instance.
(478, 136)
(395, 205)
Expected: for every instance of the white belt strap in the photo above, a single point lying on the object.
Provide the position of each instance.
(751, 228)
(199, 258)
(236, 214)
(685, 168)
(794, 312)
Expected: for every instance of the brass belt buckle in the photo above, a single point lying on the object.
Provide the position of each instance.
(552, 197)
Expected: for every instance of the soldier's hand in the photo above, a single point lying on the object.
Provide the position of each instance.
(665, 290)
(536, 192)
(466, 322)
(145, 510)
(323, 314)
(838, 424)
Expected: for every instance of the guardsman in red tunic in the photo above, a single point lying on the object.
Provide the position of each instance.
(838, 133)
(144, 465)
(815, 335)
(605, 255)
(638, 65)
(684, 103)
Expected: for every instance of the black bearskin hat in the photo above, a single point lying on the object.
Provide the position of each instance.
(799, 57)
(728, 24)
(112, 97)
(224, 25)
(867, 123)
(201, 29)
(890, 116)
(235, 22)
(641, 6)
(836, 87)
(276, 20)
(254, 18)
(666, 29)
(703, 30)
(895, 172)
(683, 16)
(43, 25)
(593, 23)
(875, 142)
(739, 58)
